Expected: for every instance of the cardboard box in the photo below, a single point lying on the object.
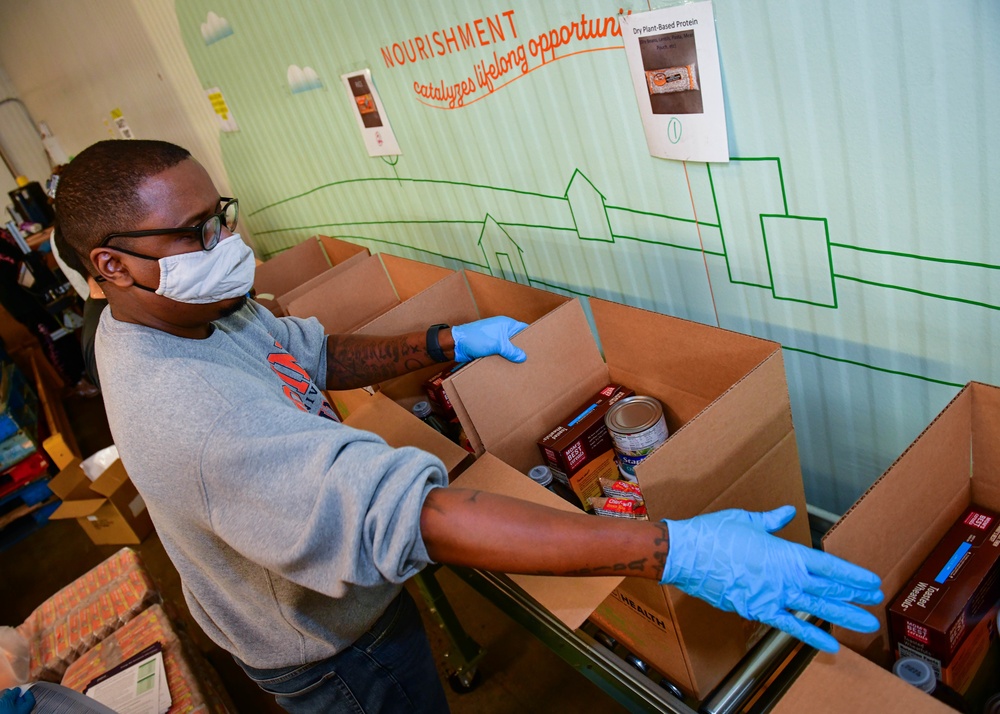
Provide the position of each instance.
(365, 290)
(731, 445)
(895, 525)
(287, 270)
(380, 415)
(109, 509)
(454, 300)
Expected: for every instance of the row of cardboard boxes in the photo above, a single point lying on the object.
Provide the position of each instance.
(732, 444)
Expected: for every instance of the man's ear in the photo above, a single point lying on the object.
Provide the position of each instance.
(110, 267)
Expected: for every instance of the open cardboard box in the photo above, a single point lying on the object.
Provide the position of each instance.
(894, 526)
(380, 415)
(315, 259)
(109, 509)
(732, 445)
(364, 291)
(457, 299)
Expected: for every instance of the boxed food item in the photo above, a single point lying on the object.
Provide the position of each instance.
(85, 612)
(731, 445)
(582, 436)
(898, 522)
(434, 389)
(956, 587)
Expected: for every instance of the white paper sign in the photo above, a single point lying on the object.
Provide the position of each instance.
(673, 58)
(223, 114)
(368, 110)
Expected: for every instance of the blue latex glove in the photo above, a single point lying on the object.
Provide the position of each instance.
(488, 337)
(13, 702)
(730, 560)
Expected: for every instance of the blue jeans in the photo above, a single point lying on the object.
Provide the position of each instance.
(388, 670)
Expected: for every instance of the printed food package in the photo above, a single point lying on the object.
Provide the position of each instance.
(671, 79)
(85, 612)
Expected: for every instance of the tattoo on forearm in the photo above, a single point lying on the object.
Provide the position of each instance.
(358, 361)
(635, 566)
(662, 545)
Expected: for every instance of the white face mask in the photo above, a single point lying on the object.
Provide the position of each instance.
(205, 276)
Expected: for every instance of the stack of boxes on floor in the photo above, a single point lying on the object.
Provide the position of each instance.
(26, 501)
(103, 618)
(731, 445)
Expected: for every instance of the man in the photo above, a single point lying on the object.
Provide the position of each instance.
(293, 533)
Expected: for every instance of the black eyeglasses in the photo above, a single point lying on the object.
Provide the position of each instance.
(209, 230)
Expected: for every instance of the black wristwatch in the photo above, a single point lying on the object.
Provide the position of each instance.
(433, 345)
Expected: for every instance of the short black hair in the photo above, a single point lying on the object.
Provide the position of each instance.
(98, 191)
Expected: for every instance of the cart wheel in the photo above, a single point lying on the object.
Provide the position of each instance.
(464, 682)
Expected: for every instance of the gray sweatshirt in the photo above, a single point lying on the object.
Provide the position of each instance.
(291, 532)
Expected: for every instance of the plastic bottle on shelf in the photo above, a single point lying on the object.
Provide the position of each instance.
(915, 671)
(422, 410)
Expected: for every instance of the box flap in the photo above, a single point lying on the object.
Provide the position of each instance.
(847, 683)
(495, 296)
(448, 301)
(337, 251)
(718, 446)
(563, 369)
(986, 445)
(71, 483)
(292, 267)
(329, 274)
(382, 416)
(571, 600)
(410, 277)
(357, 296)
(78, 509)
(929, 483)
(688, 364)
(111, 479)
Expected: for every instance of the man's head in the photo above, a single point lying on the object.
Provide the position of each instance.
(99, 190)
(147, 220)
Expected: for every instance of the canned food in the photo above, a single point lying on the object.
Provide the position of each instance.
(637, 428)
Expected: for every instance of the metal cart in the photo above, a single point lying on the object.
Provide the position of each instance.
(752, 687)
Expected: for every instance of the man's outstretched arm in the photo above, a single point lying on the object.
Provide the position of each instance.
(728, 558)
(360, 360)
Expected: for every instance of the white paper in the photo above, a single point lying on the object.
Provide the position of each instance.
(366, 105)
(223, 114)
(140, 689)
(673, 59)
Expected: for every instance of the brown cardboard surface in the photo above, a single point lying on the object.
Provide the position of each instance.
(495, 296)
(337, 251)
(329, 274)
(354, 298)
(118, 517)
(846, 683)
(563, 368)
(986, 445)
(930, 484)
(446, 301)
(290, 268)
(569, 599)
(382, 416)
(410, 277)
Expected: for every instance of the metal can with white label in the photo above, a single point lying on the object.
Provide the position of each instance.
(637, 428)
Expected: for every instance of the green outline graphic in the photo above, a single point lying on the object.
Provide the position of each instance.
(609, 211)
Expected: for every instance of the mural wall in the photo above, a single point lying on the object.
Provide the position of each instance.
(853, 223)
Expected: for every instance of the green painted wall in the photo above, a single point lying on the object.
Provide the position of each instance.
(853, 225)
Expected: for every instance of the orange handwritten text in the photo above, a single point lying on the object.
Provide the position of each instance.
(493, 74)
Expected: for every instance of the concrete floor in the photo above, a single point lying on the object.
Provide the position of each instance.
(518, 674)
